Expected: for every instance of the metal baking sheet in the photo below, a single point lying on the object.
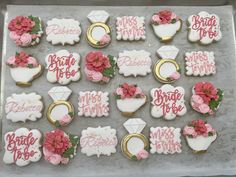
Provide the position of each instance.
(221, 157)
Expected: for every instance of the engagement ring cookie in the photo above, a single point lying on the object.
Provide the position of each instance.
(204, 27)
(60, 112)
(63, 31)
(199, 135)
(166, 69)
(135, 145)
(166, 24)
(129, 98)
(98, 141)
(99, 33)
(22, 146)
(25, 31)
(206, 98)
(59, 147)
(130, 28)
(24, 68)
(23, 107)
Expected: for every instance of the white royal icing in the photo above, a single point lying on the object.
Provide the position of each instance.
(130, 105)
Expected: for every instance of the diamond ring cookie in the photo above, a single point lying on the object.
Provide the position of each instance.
(98, 141)
(23, 107)
(24, 68)
(99, 68)
(22, 146)
(199, 135)
(59, 147)
(25, 31)
(99, 33)
(204, 27)
(206, 98)
(60, 112)
(63, 31)
(130, 28)
(129, 98)
(166, 69)
(135, 145)
(165, 25)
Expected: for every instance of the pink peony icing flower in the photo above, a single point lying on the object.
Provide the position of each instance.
(128, 90)
(14, 36)
(119, 91)
(21, 25)
(105, 39)
(32, 61)
(11, 61)
(138, 91)
(143, 154)
(66, 119)
(53, 158)
(199, 126)
(26, 39)
(175, 76)
(197, 99)
(204, 108)
(156, 19)
(93, 75)
(210, 129)
(21, 59)
(189, 131)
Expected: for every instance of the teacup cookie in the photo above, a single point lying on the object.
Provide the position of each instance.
(129, 98)
(165, 24)
(59, 147)
(206, 98)
(63, 31)
(22, 146)
(24, 68)
(130, 28)
(199, 135)
(99, 68)
(23, 107)
(25, 31)
(204, 27)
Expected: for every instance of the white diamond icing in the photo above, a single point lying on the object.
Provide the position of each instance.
(60, 93)
(98, 16)
(168, 52)
(134, 125)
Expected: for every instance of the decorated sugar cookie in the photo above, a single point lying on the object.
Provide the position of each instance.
(99, 33)
(23, 107)
(131, 28)
(98, 141)
(129, 98)
(22, 146)
(135, 145)
(59, 147)
(166, 69)
(204, 27)
(134, 63)
(63, 67)
(25, 31)
(60, 112)
(93, 104)
(165, 24)
(200, 63)
(99, 68)
(199, 135)
(206, 98)
(165, 140)
(24, 68)
(63, 31)
(168, 102)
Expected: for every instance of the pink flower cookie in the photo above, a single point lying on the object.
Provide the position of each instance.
(59, 147)
(165, 24)
(206, 98)
(199, 135)
(129, 98)
(25, 31)
(99, 68)
(24, 68)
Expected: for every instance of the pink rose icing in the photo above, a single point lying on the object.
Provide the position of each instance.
(93, 75)
(204, 108)
(11, 61)
(105, 39)
(175, 76)
(197, 99)
(32, 61)
(26, 39)
(143, 154)
(190, 131)
(55, 159)
(66, 119)
(14, 36)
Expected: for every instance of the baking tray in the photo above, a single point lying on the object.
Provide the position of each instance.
(221, 157)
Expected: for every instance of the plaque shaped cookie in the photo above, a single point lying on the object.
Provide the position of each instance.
(63, 67)
(22, 146)
(23, 107)
(130, 28)
(98, 141)
(168, 102)
(165, 140)
(200, 63)
(63, 31)
(134, 63)
(204, 27)
(93, 104)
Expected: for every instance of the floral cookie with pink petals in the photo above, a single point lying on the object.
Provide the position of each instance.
(99, 68)
(59, 147)
(206, 98)
(24, 68)
(25, 31)
(199, 135)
